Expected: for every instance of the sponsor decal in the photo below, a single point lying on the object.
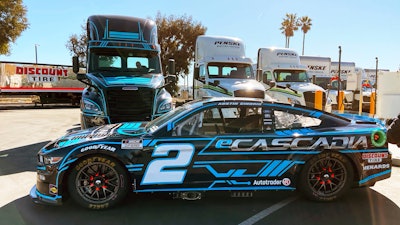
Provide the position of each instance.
(132, 144)
(53, 189)
(300, 143)
(374, 157)
(98, 147)
(275, 182)
(376, 167)
(41, 74)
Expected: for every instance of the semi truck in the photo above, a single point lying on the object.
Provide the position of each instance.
(287, 80)
(124, 78)
(346, 68)
(41, 83)
(222, 69)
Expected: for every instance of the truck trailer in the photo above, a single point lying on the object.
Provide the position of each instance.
(318, 69)
(124, 75)
(222, 69)
(43, 83)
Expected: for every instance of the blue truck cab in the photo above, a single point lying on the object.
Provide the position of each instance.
(124, 78)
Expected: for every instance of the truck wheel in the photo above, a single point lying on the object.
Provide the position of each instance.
(326, 177)
(98, 182)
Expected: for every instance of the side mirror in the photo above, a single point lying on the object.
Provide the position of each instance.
(170, 79)
(271, 83)
(171, 67)
(75, 64)
(259, 75)
(81, 76)
(196, 73)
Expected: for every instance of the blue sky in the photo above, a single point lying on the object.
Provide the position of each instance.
(364, 29)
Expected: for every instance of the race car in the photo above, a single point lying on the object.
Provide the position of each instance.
(216, 144)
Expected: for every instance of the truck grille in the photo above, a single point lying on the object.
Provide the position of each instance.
(130, 105)
(250, 93)
(309, 97)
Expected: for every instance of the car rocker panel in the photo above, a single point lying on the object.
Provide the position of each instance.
(190, 149)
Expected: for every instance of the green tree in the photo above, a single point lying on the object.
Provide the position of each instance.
(13, 22)
(77, 45)
(305, 23)
(177, 38)
(288, 26)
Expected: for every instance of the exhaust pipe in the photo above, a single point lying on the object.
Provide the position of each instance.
(190, 196)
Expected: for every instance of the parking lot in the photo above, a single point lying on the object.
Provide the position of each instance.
(24, 130)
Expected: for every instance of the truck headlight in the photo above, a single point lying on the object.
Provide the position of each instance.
(91, 107)
(165, 107)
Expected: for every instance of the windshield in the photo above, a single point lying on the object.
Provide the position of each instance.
(119, 60)
(177, 112)
(291, 76)
(230, 70)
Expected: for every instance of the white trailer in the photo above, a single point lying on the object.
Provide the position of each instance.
(44, 83)
(388, 95)
(319, 69)
(287, 80)
(222, 69)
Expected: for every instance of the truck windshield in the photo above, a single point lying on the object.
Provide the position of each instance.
(291, 76)
(230, 70)
(138, 62)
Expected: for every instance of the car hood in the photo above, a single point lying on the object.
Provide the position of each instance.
(110, 131)
(126, 79)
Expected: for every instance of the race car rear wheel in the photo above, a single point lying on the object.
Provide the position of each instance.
(326, 177)
(98, 182)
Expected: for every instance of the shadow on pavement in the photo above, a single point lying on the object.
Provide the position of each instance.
(359, 206)
(20, 159)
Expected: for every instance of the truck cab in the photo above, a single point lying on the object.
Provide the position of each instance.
(124, 78)
(286, 80)
(221, 69)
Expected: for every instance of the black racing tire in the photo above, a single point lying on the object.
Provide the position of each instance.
(98, 182)
(326, 177)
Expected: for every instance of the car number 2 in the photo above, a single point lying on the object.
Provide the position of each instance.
(155, 172)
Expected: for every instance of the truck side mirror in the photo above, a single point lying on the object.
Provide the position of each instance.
(271, 84)
(170, 79)
(81, 76)
(196, 73)
(259, 75)
(171, 67)
(75, 64)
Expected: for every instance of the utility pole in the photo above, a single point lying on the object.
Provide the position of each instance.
(36, 53)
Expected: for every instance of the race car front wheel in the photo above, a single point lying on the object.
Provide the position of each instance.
(326, 177)
(98, 182)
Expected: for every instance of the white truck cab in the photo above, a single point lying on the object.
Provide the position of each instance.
(286, 79)
(221, 69)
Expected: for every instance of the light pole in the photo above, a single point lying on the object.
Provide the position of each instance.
(36, 52)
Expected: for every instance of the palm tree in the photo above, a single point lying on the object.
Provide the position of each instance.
(289, 25)
(305, 23)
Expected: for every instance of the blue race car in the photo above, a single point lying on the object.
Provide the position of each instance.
(218, 144)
